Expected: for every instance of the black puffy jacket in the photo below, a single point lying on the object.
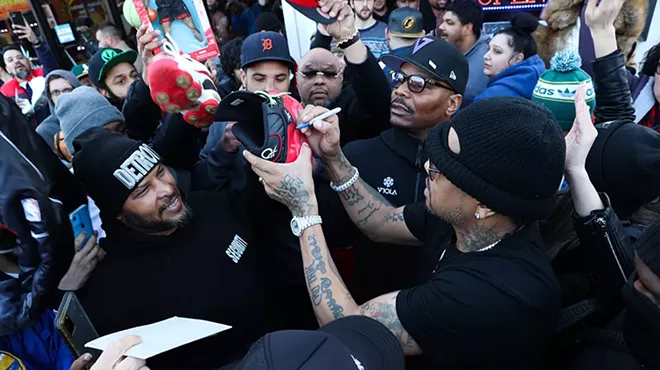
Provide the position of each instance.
(38, 193)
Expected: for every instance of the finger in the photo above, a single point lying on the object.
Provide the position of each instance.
(313, 112)
(130, 363)
(81, 362)
(335, 9)
(305, 114)
(77, 242)
(116, 350)
(153, 45)
(345, 12)
(91, 257)
(141, 31)
(591, 6)
(262, 165)
(305, 153)
(89, 246)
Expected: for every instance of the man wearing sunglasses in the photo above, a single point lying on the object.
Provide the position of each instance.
(428, 82)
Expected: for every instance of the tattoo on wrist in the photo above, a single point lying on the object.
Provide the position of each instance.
(292, 193)
(318, 282)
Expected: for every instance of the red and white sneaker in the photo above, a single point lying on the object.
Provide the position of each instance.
(180, 84)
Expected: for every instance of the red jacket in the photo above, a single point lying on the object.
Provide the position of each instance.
(9, 89)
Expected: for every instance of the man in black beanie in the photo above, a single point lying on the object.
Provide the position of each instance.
(491, 299)
(167, 256)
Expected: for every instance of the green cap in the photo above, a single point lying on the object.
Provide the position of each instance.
(556, 87)
(80, 70)
(104, 60)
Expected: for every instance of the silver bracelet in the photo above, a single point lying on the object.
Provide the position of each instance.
(347, 184)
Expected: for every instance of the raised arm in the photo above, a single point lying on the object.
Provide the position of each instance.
(613, 98)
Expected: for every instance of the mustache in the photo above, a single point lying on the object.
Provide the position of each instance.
(168, 201)
(400, 101)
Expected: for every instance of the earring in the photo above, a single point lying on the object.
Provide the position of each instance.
(477, 215)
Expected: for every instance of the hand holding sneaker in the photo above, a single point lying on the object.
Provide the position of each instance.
(148, 45)
(291, 184)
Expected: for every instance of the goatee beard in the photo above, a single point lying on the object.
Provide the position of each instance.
(23, 75)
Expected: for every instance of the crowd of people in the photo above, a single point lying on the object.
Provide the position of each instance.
(412, 193)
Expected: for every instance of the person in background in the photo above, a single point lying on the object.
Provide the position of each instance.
(382, 10)
(220, 27)
(438, 8)
(646, 90)
(28, 84)
(511, 61)
(241, 18)
(461, 27)
(81, 71)
(109, 36)
(85, 29)
(230, 59)
(58, 83)
(112, 72)
(556, 87)
(372, 32)
(268, 22)
(407, 3)
(4, 76)
(405, 26)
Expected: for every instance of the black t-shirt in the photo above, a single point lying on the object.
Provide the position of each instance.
(494, 309)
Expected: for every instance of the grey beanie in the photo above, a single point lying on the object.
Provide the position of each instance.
(83, 109)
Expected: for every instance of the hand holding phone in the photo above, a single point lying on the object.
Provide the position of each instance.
(74, 325)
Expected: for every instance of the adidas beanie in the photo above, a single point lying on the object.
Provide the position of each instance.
(556, 87)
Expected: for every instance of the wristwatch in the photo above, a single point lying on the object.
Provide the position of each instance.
(299, 224)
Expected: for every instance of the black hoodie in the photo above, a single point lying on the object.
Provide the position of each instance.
(393, 164)
(209, 269)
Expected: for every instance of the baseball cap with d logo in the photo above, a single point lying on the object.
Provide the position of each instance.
(104, 60)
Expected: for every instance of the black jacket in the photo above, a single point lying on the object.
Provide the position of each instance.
(392, 164)
(613, 99)
(38, 193)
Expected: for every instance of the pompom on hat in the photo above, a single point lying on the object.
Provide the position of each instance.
(556, 87)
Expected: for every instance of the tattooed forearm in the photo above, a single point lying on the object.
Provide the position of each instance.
(351, 196)
(292, 193)
(383, 310)
(319, 283)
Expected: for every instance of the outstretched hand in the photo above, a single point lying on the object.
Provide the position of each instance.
(600, 14)
(290, 184)
(582, 135)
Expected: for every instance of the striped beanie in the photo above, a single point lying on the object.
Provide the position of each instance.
(556, 87)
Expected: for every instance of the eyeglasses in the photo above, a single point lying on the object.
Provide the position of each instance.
(433, 171)
(310, 75)
(56, 93)
(416, 83)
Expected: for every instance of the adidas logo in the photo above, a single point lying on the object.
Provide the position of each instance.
(567, 93)
(452, 75)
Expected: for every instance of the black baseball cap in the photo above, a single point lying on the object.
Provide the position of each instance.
(407, 23)
(350, 343)
(104, 60)
(440, 59)
(311, 10)
(266, 46)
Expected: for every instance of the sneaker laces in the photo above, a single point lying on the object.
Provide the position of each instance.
(271, 99)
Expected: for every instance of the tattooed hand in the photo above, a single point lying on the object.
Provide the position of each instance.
(290, 184)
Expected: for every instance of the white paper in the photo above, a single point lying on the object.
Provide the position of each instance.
(161, 336)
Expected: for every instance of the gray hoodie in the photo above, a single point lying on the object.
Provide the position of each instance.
(51, 125)
(477, 80)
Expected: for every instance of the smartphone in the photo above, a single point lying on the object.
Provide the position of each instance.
(16, 18)
(81, 221)
(31, 21)
(75, 327)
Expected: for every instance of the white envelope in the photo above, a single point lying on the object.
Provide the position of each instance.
(161, 336)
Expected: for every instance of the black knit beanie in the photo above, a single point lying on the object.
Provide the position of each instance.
(624, 162)
(111, 166)
(511, 156)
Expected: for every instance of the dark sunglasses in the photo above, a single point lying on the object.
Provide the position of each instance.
(312, 74)
(433, 171)
(416, 83)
